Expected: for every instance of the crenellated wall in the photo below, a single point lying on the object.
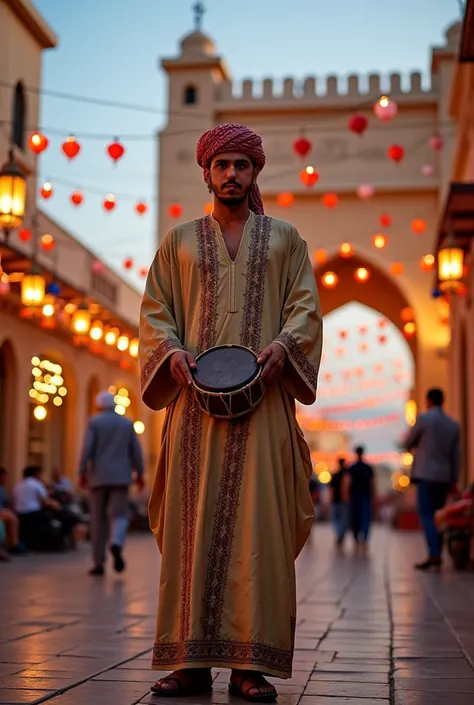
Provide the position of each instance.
(358, 89)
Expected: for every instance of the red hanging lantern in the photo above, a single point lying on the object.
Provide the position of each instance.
(385, 220)
(365, 191)
(418, 225)
(143, 272)
(115, 150)
(396, 153)
(396, 268)
(128, 263)
(71, 147)
(24, 235)
(436, 143)
(330, 200)
(98, 266)
(285, 199)
(47, 242)
(309, 176)
(385, 109)
(46, 190)
(358, 123)
(77, 198)
(38, 142)
(141, 208)
(109, 202)
(302, 147)
(175, 210)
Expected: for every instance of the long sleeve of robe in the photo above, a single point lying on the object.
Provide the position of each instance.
(230, 505)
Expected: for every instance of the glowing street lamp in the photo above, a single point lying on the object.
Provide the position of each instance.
(12, 196)
(450, 265)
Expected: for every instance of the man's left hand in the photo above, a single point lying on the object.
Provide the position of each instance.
(273, 358)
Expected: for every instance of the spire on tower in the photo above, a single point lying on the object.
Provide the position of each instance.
(199, 11)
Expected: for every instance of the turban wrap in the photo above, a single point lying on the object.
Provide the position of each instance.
(234, 138)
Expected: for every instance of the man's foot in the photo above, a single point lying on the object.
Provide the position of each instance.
(119, 563)
(252, 686)
(428, 564)
(185, 682)
(98, 570)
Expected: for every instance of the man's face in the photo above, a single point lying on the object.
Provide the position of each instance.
(230, 177)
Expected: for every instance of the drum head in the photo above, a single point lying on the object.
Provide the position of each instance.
(225, 368)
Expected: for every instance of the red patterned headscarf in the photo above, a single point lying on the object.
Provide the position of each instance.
(234, 138)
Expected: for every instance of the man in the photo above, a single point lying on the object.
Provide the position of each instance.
(230, 505)
(339, 500)
(9, 519)
(361, 498)
(435, 439)
(110, 455)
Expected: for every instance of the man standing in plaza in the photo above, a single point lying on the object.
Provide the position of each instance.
(435, 440)
(110, 455)
(230, 505)
(362, 496)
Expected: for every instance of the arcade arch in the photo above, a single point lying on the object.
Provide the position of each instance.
(8, 400)
(52, 402)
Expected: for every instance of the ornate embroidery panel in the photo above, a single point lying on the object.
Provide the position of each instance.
(190, 445)
(307, 369)
(232, 652)
(157, 355)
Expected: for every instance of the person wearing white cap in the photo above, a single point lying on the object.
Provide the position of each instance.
(109, 458)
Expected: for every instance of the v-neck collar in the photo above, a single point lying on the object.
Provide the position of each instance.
(220, 237)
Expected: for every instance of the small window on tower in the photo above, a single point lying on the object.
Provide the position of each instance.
(190, 95)
(19, 116)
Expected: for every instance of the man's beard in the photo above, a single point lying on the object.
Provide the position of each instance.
(234, 200)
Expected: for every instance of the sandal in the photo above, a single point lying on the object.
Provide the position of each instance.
(198, 685)
(255, 681)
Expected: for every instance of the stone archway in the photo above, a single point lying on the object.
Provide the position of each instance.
(8, 402)
(380, 293)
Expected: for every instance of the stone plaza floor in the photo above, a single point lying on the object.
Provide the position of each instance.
(371, 631)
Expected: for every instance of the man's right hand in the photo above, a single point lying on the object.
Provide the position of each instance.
(181, 365)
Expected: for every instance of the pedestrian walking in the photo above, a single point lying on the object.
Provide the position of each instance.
(230, 505)
(435, 442)
(110, 456)
(362, 495)
(339, 487)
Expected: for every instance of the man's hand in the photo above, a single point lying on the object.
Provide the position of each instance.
(180, 366)
(273, 357)
(140, 483)
(83, 482)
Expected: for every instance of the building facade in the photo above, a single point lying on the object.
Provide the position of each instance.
(457, 222)
(51, 368)
(201, 94)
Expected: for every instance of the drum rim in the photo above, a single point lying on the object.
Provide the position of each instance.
(230, 391)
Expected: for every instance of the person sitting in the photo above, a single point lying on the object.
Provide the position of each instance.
(33, 506)
(9, 520)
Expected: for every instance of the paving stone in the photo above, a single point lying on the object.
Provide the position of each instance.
(317, 700)
(445, 685)
(17, 697)
(416, 697)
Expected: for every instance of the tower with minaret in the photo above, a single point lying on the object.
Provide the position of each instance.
(193, 78)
